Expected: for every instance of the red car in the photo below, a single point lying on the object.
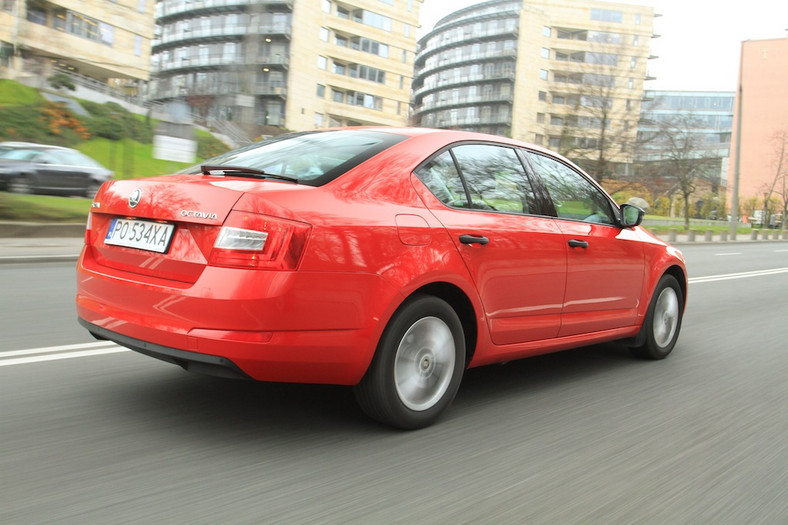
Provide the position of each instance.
(387, 259)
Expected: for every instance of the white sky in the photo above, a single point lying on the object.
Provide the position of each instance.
(700, 40)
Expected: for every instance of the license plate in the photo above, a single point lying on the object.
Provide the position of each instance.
(143, 235)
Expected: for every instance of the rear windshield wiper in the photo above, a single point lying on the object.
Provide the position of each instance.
(240, 171)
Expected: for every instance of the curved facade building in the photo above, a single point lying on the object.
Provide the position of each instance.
(296, 64)
(565, 74)
(465, 69)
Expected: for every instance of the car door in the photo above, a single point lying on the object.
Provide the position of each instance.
(516, 256)
(605, 262)
(69, 171)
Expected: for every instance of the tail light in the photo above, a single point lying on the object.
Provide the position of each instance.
(251, 240)
(88, 228)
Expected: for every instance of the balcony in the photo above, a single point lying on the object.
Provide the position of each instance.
(174, 9)
(195, 63)
(509, 55)
(461, 81)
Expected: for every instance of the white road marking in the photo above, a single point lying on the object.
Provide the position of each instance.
(727, 254)
(740, 275)
(55, 353)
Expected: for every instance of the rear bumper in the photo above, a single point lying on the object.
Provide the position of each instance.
(299, 327)
(190, 361)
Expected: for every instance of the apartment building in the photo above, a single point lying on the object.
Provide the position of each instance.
(568, 74)
(97, 39)
(295, 64)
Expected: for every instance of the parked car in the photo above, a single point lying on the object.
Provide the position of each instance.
(36, 168)
(387, 259)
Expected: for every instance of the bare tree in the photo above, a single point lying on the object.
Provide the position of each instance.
(778, 182)
(684, 160)
(599, 129)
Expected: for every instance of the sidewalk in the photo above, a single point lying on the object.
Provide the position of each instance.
(24, 245)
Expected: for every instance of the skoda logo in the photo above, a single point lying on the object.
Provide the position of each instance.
(134, 198)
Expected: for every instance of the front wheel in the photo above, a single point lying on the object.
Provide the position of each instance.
(661, 327)
(417, 367)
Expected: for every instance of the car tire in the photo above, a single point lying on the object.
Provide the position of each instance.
(20, 184)
(417, 367)
(661, 327)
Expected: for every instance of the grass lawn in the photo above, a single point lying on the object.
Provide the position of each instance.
(128, 159)
(43, 208)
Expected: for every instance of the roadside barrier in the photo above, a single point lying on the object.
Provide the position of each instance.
(723, 236)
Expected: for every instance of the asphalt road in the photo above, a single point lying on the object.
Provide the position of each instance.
(585, 436)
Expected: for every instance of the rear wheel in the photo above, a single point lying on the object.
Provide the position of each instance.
(417, 367)
(20, 184)
(663, 320)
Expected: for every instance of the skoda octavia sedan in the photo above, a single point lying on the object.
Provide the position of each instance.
(387, 259)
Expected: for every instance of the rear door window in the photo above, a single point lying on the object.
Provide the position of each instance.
(481, 177)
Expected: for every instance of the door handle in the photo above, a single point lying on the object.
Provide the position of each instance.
(474, 239)
(574, 243)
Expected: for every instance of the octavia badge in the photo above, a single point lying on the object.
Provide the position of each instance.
(134, 198)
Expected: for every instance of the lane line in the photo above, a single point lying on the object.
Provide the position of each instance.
(740, 275)
(54, 349)
(57, 357)
(727, 254)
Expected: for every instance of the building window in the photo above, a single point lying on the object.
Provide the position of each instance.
(545, 53)
(321, 90)
(607, 15)
(543, 74)
(318, 120)
(141, 6)
(543, 96)
(540, 118)
(369, 46)
(36, 13)
(322, 62)
(546, 31)
(326, 6)
(631, 83)
(324, 34)
(137, 45)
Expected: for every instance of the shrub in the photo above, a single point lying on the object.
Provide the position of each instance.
(209, 146)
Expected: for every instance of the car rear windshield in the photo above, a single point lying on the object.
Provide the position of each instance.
(312, 158)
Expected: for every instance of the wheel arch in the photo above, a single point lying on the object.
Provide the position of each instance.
(680, 275)
(462, 305)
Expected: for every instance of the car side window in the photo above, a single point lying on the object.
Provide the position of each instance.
(440, 175)
(574, 197)
(495, 178)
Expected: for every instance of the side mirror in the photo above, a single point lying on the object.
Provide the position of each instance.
(631, 216)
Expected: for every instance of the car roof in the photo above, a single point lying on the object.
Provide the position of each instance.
(28, 145)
